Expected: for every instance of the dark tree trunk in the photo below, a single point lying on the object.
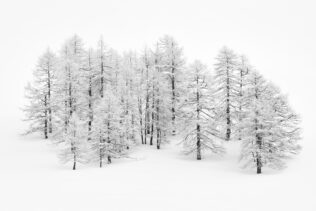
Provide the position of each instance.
(74, 166)
(70, 94)
(50, 126)
(173, 109)
(75, 162)
(228, 121)
(102, 78)
(140, 111)
(158, 124)
(259, 160)
(90, 109)
(45, 129)
(147, 126)
(198, 129)
(158, 138)
(147, 113)
(258, 167)
(198, 143)
(152, 117)
(101, 159)
(258, 136)
(46, 119)
(240, 100)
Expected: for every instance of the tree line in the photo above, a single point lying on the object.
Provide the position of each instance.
(96, 104)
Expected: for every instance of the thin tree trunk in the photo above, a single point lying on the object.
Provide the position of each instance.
(228, 120)
(173, 109)
(140, 111)
(74, 166)
(258, 166)
(147, 113)
(198, 129)
(101, 150)
(198, 143)
(158, 124)
(46, 119)
(258, 136)
(102, 79)
(90, 109)
(50, 126)
(109, 159)
(75, 162)
(152, 116)
(101, 158)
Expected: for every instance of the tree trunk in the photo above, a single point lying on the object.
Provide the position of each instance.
(50, 126)
(147, 114)
(258, 167)
(173, 109)
(152, 117)
(46, 119)
(101, 161)
(198, 143)
(228, 121)
(102, 78)
(158, 124)
(75, 162)
(158, 138)
(198, 130)
(90, 109)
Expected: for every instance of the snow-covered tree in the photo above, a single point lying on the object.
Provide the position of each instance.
(173, 65)
(40, 93)
(270, 128)
(243, 70)
(103, 65)
(69, 87)
(198, 114)
(160, 103)
(146, 69)
(74, 146)
(90, 93)
(106, 139)
(226, 83)
(128, 97)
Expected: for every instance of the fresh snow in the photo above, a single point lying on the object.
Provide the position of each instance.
(32, 178)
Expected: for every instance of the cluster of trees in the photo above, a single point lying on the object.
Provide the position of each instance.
(96, 104)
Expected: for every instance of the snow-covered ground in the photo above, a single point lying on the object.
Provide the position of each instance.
(32, 178)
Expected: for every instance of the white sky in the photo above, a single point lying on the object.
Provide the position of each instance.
(278, 36)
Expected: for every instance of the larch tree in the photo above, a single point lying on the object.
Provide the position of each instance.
(74, 145)
(89, 84)
(70, 87)
(226, 83)
(40, 93)
(103, 65)
(105, 143)
(128, 97)
(140, 92)
(243, 69)
(173, 65)
(270, 128)
(200, 131)
(146, 62)
(160, 103)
